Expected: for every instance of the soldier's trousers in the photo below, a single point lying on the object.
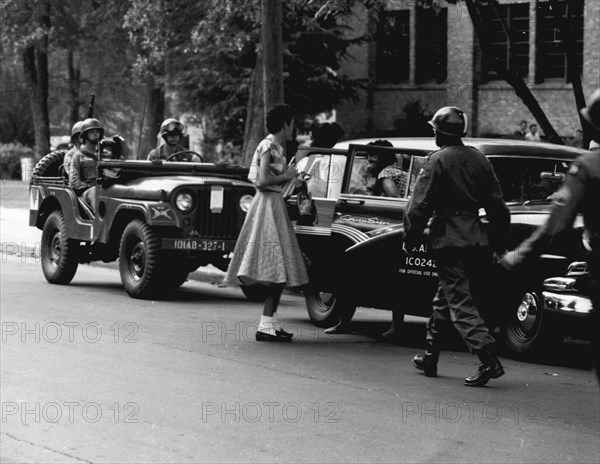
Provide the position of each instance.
(460, 270)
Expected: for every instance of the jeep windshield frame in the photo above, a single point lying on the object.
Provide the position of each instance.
(119, 169)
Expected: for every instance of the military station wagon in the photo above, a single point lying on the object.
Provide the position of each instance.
(355, 243)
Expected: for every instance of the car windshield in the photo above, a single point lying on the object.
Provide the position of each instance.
(529, 179)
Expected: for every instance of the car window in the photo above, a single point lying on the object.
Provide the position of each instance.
(360, 182)
(529, 179)
(403, 173)
(416, 163)
(325, 173)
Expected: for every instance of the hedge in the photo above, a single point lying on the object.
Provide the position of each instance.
(10, 159)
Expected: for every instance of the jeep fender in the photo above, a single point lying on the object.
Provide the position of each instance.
(50, 199)
(118, 213)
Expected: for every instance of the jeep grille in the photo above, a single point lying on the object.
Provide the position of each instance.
(223, 225)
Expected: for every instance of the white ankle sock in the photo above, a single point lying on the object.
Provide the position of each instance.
(266, 325)
(276, 324)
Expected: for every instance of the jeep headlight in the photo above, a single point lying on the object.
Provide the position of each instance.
(245, 202)
(184, 201)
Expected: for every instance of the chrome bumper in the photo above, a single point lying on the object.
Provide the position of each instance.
(566, 303)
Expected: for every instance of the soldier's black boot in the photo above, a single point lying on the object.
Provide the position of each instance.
(490, 368)
(427, 362)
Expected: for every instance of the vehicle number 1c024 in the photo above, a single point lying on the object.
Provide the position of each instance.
(421, 262)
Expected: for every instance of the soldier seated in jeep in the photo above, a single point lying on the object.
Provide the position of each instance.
(83, 168)
(171, 130)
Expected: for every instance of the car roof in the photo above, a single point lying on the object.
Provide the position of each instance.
(491, 147)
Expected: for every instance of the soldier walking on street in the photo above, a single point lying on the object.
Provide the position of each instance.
(454, 184)
(579, 194)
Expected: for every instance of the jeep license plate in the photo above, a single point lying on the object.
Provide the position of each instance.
(197, 245)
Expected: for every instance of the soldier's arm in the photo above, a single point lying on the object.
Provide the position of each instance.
(421, 204)
(497, 212)
(153, 155)
(567, 202)
(75, 181)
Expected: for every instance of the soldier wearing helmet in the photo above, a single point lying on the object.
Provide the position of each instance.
(578, 194)
(75, 133)
(171, 130)
(83, 171)
(454, 184)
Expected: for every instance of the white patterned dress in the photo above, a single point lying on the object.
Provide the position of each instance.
(267, 250)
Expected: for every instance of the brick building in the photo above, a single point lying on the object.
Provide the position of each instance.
(431, 55)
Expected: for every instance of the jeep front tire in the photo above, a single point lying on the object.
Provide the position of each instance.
(139, 260)
(59, 253)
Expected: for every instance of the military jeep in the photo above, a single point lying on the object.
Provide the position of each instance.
(160, 219)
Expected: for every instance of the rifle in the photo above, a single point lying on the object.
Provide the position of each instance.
(91, 107)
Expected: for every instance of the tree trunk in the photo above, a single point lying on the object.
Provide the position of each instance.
(38, 98)
(35, 67)
(154, 114)
(272, 41)
(74, 82)
(511, 76)
(254, 131)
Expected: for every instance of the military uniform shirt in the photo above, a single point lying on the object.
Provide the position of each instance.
(453, 185)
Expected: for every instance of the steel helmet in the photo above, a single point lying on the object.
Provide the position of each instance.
(76, 131)
(591, 113)
(171, 126)
(90, 124)
(450, 120)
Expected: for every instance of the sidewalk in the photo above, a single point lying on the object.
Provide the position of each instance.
(19, 239)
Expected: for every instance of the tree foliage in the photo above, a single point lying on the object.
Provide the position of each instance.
(206, 56)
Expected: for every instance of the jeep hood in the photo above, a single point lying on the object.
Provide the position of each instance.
(155, 188)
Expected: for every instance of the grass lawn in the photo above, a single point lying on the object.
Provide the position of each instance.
(14, 194)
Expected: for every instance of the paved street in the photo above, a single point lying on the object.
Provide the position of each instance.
(91, 375)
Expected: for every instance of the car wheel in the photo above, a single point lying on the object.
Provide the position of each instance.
(139, 260)
(60, 255)
(326, 309)
(528, 330)
(254, 292)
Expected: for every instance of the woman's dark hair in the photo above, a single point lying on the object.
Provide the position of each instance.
(277, 116)
(386, 158)
(326, 135)
(381, 143)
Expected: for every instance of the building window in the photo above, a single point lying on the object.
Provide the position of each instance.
(432, 45)
(551, 55)
(393, 47)
(508, 37)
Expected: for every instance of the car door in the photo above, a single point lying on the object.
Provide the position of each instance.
(323, 170)
(377, 268)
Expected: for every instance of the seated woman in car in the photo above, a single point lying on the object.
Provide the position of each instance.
(389, 180)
